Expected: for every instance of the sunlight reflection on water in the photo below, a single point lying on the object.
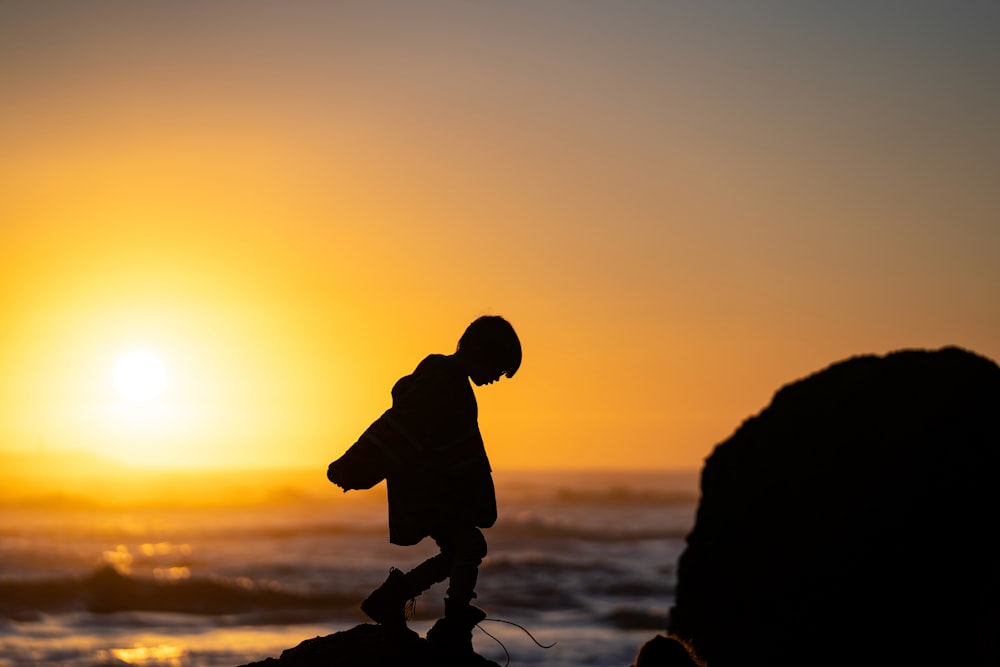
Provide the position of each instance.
(120, 559)
(172, 573)
(162, 654)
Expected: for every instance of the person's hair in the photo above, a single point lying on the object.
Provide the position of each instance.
(494, 338)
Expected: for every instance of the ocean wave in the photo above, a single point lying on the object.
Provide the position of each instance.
(537, 528)
(625, 496)
(630, 618)
(519, 564)
(106, 590)
(523, 525)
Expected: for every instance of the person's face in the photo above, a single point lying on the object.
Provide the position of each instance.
(483, 371)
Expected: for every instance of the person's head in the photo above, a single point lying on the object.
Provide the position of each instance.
(489, 348)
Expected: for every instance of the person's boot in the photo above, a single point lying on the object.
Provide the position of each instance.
(387, 604)
(451, 636)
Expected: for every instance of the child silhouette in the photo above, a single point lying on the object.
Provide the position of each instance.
(428, 448)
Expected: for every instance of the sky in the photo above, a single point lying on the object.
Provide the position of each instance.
(680, 206)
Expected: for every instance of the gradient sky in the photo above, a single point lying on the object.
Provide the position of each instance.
(680, 206)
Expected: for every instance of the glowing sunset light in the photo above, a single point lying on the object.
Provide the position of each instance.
(140, 375)
(680, 209)
(139, 655)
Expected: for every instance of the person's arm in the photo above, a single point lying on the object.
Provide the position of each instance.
(364, 464)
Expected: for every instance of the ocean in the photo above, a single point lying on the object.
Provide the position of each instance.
(585, 561)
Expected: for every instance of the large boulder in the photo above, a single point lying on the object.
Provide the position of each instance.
(853, 522)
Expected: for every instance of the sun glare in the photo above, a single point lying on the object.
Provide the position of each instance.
(140, 376)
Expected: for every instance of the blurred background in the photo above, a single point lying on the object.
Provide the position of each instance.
(228, 227)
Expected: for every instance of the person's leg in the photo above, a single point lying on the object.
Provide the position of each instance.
(468, 549)
(434, 569)
(452, 635)
(387, 604)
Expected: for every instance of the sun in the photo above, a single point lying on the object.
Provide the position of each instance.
(140, 376)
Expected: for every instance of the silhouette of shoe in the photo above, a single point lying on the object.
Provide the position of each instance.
(451, 636)
(387, 605)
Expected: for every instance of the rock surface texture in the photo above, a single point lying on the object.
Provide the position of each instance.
(854, 521)
(368, 646)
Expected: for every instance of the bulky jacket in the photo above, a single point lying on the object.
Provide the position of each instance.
(428, 448)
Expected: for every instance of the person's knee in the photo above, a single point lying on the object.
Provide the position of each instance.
(463, 543)
(477, 544)
(471, 544)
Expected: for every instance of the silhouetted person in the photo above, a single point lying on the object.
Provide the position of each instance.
(428, 448)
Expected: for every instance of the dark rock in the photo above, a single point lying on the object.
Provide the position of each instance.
(663, 651)
(367, 646)
(853, 521)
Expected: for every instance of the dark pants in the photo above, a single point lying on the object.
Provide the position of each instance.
(462, 550)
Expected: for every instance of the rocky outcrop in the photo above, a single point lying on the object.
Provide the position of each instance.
(368, 646)
(853, 522)
(663, 651)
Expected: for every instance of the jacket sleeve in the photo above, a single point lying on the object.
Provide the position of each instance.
(364, 464)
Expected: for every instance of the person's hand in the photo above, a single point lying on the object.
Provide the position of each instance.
(333, 474)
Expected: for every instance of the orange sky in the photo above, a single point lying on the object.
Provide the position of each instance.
(679, 206)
